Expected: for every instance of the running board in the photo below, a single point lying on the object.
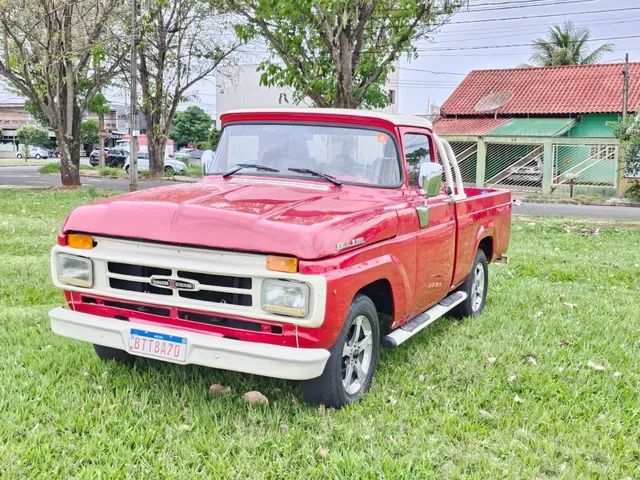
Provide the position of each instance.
(416, 324)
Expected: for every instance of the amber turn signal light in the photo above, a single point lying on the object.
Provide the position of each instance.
(282, 264)
(79, 240)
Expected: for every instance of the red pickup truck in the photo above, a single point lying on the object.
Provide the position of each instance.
(316, 236)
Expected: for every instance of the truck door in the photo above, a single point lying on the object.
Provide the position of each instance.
(436, 236)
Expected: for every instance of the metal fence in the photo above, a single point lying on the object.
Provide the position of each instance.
(519, 164)
(517, 167)
(585, 165)
(467, 157)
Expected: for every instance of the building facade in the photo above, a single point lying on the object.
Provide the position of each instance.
(541, 129)
(242, 89)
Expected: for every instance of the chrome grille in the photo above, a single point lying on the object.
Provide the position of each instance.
(210, 288)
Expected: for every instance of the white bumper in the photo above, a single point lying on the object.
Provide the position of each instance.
(206, 350)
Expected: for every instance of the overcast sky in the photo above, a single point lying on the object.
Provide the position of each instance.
(459, 46)
(489, 34)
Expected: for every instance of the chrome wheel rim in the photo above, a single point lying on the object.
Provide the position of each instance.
(477, 288)
(357, 355)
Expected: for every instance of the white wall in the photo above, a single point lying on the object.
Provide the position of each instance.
(243, 90)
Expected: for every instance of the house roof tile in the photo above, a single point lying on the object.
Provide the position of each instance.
(546, 90)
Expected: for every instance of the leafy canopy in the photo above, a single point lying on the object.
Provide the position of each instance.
(567, 44)
(89, 132)
(338, 53)
(191, 126)
(33, 135)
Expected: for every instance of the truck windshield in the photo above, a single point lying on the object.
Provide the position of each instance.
(350, 155)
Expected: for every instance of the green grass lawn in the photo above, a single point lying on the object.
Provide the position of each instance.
(516, 393)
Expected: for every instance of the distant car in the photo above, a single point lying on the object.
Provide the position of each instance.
(116, 157)
(170, 165)
(189, 154)
(35, 152)
(94, 157)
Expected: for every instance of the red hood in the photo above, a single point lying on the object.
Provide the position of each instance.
(260, 217)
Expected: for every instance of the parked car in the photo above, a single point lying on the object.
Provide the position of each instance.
(94, 156)
(116, 157)
(306, 249)
(187, 154)
(170, 165)
(34, 152)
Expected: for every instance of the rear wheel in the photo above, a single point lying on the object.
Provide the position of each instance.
(126, 169)
(354, 357)
(19, 156)
(475, 286)
(38, 156)
(108, 353)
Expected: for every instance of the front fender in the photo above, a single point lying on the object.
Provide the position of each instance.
(346, 277)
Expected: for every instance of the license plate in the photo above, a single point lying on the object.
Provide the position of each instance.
(159, 345)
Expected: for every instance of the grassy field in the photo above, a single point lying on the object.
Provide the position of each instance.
(543, 385)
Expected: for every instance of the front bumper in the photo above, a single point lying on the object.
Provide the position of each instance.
(206, 350)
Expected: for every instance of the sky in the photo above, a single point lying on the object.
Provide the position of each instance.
(467, 42)
(487, 34)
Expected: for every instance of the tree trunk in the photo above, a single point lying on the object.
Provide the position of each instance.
(69, 161)
(156, 154)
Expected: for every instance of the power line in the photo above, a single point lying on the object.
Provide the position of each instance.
(526, 6)
(484, 47)
(546, 15)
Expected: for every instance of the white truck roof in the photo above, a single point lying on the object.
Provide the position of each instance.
(397, 119)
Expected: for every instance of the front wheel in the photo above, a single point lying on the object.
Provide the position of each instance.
(475, 286)
(108, 353)
(38, 156)
(19, 156)
(168, 170)
(354, 357)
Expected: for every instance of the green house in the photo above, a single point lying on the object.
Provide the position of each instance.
(540, 129)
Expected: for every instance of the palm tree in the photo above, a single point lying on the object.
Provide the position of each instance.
(566, 45)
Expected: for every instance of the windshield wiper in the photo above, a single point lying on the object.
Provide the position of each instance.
(315, 173)
(240, 166)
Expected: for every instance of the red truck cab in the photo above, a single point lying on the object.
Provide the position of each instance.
(316, 236)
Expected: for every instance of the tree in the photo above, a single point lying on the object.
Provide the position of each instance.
(32, 135)
(191, 126)
(338, 53)
(566, 44)
(47, 53)
(89, 132)
(181, 43)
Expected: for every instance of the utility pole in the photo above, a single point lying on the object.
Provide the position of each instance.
(133, 121)
(625, 88)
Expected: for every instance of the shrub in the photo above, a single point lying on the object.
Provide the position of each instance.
(633, 192)
(111, 172)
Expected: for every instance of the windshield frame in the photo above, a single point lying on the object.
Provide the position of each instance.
(254, 173)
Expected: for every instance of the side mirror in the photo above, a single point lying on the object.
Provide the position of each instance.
(431, 178)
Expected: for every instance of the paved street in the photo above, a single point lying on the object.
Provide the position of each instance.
(568, 210)
(29, 177)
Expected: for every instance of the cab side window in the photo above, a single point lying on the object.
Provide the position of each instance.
(418, 151)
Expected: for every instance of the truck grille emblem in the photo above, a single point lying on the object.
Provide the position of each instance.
(172, 283)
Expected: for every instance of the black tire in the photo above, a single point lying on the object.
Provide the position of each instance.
(329, 388)
(126, 169)
(108, 354)
(19, 156)
(38, 156)
(168, 169)
(474, 303)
